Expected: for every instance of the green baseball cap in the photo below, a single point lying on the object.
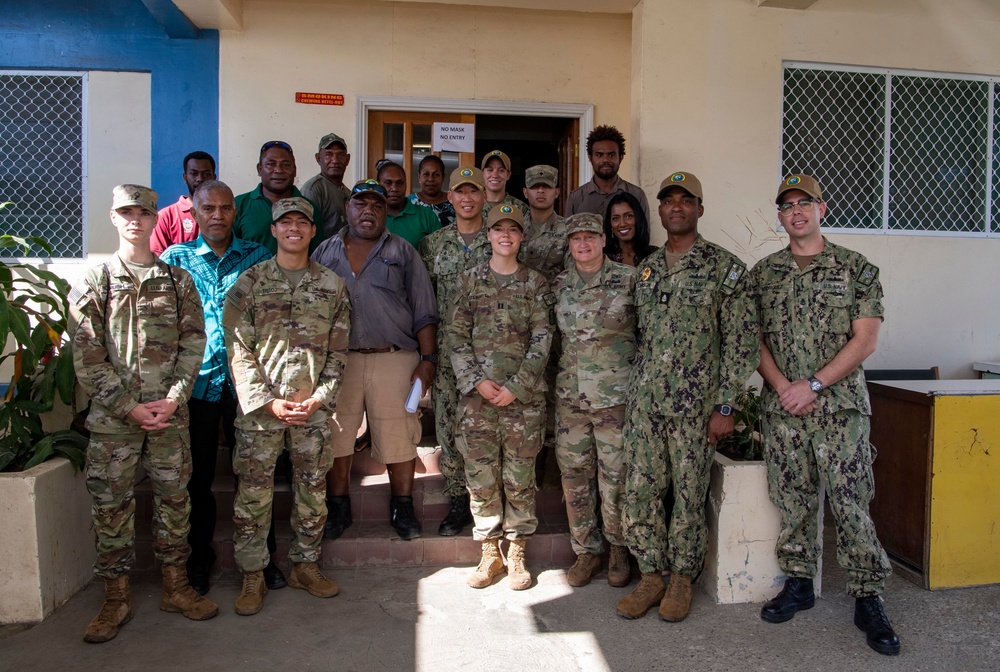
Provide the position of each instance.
(331, 139)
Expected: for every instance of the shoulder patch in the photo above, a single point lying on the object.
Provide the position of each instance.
(733, 275)
(239, 293)
(77, 294)
(868, 274)
(549, 298)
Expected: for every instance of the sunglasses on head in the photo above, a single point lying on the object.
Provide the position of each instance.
(276, 143)
(366, 186)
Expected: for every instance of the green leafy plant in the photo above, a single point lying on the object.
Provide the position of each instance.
(34, 306)
(747, 442)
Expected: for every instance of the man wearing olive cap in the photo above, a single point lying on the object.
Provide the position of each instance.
(327, 189)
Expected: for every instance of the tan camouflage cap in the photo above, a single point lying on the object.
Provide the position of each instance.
(125, 195)
(547, 175)
(331, 139)
(806, 183)
(466, 175)
(496, 152)
(293, 204)
(584, 222)
(505, 211)
(686, 181)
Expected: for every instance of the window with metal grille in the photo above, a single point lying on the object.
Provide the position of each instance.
(41, 159)
(895, 151)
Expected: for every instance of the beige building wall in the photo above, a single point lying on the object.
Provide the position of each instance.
(403, 49)
(707, 89)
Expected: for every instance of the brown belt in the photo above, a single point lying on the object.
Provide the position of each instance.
(375, 351)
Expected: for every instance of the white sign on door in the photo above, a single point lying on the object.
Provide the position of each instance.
(454, 137)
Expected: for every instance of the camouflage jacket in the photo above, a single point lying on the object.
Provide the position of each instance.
(286, 343)
(545, 247)
(806, 315)
(698, 333)
(501, 332)
(135, 344)
(597, 323)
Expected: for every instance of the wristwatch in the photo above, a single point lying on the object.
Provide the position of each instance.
(816, 385)
(724, 410)
(433, 359)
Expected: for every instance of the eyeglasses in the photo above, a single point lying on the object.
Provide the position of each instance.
(276, 143)
(368, 186)
(804, 204)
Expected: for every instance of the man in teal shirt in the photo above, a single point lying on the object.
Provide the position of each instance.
(276, 168)
(407, 220)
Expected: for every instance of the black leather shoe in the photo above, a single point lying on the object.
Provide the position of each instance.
(797, 595)
(338, 516)
(870, 617)
(198, 578)
(402, 517)
(274, 578)
(459, 516)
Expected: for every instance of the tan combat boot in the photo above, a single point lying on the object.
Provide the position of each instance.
(518, 576)
(619, 571)
(649, 592)
(180, 598)
(583, 570)
(677, 602)
(306, 575)
(490, 566)
(251, 599)
(116, 611)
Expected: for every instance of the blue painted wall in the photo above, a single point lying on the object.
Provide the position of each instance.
(122, 35)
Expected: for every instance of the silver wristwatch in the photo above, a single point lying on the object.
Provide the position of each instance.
(816, 385)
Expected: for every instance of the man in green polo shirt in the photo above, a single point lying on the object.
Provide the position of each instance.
(407, 220)
(276, 168)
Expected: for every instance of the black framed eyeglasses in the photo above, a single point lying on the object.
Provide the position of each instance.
(803, 204)
(276, 143)
(368, 186)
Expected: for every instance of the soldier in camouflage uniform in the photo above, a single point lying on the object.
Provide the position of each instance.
(820, 312)
(697, 346)
(286, 322)
(447, 253)
(499, 337)
(596, 317)
(496, 172)
(138, 335)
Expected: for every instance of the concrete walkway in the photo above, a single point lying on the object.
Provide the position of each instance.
(426, 619)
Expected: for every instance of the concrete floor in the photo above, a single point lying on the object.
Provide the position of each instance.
(426, 619)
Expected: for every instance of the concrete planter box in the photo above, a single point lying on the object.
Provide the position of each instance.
(47, 551)
(743, 525)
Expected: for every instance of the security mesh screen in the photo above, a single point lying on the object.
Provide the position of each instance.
(937, 171)
(41, 160)
(834, 130)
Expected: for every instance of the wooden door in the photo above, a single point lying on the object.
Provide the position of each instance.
(405, 137)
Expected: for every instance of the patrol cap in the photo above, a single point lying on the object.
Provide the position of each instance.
(293, 204)
(584, 222)
(806, 183)
(685, 181)
(504, 211)
(547, 175)
(368, 186)
(466, 175)
(331, 139)
(497, 153)
(125, 195)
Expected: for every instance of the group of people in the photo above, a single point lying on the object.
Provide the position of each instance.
(293, 315)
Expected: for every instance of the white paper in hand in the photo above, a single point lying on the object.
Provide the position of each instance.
(412, 401)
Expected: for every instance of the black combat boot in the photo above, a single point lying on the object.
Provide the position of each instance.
(870, 617)
(797, 595)
(402, 517)
(338, 516)
(459, 516)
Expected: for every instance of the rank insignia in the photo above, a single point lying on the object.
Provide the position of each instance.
(646, 272)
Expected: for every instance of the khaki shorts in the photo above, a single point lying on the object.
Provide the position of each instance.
(377, 384)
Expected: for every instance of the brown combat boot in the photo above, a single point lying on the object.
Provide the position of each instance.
(619, 571)
(306, 575)
(583, 570)
(179, 597)
(116, 611)
(490, 566)
(649, 592)
(677, 602)
(251, 599)
(518, 576)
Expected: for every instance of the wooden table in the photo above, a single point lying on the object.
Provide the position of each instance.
(937, 479)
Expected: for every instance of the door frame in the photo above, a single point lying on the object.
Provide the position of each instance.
(582, 112)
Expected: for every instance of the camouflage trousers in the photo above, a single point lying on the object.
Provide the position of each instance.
(112, 461)
(591, 454)
(311, 452)
(499, 445)
(445, 411)
(661, 452)
(801, 453)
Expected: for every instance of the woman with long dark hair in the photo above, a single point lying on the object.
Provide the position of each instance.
(626, 231)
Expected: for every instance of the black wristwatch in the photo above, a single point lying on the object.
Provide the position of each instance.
(433, 359)
(725, 410)
(816, 385)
